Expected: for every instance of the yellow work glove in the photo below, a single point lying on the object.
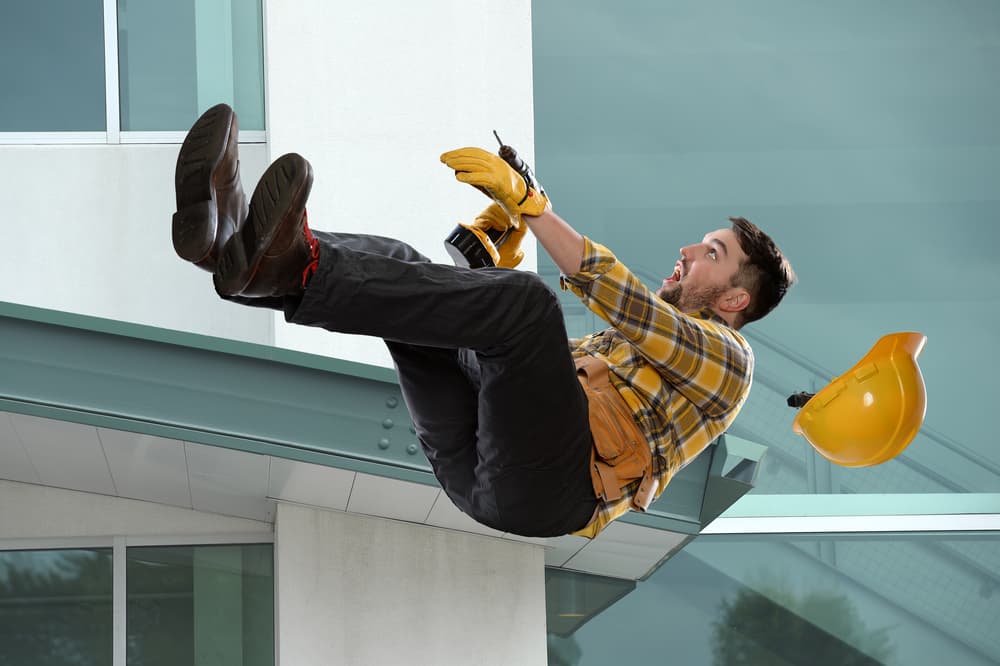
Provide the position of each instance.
(497, 232)
(495, 178)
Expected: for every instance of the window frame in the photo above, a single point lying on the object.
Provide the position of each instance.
(119, 545)
(113, 134)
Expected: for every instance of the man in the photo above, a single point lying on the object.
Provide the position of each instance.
(525, 434)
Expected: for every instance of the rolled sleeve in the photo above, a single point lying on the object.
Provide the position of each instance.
(597, 261)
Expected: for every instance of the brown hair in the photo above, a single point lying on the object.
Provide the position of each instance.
(766, 273)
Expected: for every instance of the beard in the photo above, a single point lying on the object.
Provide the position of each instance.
(690, 300)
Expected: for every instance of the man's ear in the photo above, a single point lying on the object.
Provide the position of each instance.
(734, 300)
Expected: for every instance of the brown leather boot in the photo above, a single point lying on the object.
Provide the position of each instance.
(269, 254)
(211, 204)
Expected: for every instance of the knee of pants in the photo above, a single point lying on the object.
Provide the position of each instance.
(540, 299)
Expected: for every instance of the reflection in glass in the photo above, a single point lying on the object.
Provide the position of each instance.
(52, 66)
(864, 141)
(775, 625)
(209, 605)
(803, 601)
(56, 607)
(177, 59)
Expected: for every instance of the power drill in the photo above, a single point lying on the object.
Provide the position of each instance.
(463, 245)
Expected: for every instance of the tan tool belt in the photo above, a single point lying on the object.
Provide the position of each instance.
(621, 453)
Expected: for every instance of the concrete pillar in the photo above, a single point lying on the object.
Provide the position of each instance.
(360, 590)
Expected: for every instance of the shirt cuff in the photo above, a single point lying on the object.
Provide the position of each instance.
(597, 260)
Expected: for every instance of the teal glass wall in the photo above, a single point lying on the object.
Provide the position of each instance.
(52, 66)
(56, 607)
(839, 600)
(201, 605)
(862, 136)
(176, 59)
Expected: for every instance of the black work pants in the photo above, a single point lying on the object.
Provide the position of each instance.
(484, 369)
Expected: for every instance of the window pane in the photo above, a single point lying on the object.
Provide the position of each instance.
(200, 605)
(56, 607)
(52, 66)
(783, 600)
(176, 59)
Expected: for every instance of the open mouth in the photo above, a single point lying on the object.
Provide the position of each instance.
(675, 276)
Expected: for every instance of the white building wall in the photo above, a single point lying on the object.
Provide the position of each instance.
(86, 229)
(371, 94)
(355, 590)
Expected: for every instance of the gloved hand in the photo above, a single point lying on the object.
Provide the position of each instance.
(503, 235)
(494, 230)
(495, 178)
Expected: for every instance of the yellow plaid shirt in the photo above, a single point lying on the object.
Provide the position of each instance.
(684, 375)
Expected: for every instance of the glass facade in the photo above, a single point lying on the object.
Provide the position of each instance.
(56, 607)
(862, 137)
(757, 600)
(178, 59)
(200, 605)
(175, 59)
(52, 66)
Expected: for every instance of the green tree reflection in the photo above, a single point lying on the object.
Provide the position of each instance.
(778, 628)
(55, 608)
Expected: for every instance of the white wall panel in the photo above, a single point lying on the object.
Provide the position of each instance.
(372, 93)
(86, 229)
(356, 590)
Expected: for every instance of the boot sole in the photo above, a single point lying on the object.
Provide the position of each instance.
(276, 207)
(195, 224)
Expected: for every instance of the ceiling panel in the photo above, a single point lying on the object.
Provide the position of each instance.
(390, 498)
(229, 482)
(445, 514)
(147, 468)
(626, 551)
(66, 455)
(306, 483)
(14, 462)
(557, 549)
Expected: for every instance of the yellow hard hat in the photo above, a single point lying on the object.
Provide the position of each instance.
(870, 413)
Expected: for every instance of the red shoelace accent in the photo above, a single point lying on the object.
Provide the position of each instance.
(310, 268)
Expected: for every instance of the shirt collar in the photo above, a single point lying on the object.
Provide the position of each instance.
(711, 315)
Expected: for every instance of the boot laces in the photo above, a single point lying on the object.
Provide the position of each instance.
(311, 267)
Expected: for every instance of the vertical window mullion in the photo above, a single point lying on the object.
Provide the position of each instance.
(111, 76)
(119, 601)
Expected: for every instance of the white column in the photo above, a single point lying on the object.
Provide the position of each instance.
(358, 590)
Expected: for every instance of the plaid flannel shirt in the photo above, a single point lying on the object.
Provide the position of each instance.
(685, 376)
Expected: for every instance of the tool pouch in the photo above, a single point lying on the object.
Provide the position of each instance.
(621, 454)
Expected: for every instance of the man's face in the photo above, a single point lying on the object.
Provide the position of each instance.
(702, 277)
